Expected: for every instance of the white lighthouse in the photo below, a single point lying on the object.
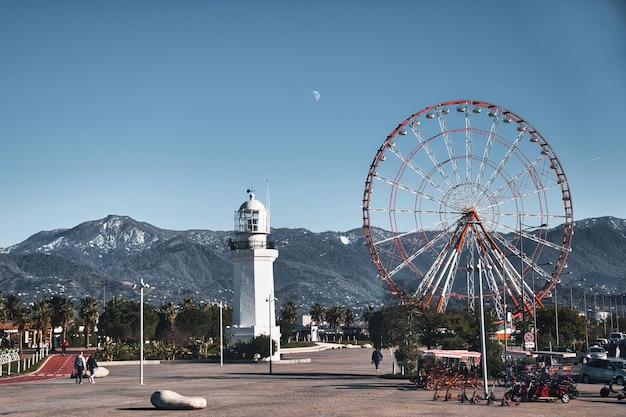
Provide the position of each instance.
(253, 256)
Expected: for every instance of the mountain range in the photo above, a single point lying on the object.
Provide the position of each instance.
(106, 258)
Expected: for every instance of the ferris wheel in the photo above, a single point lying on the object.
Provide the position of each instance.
(466, 187)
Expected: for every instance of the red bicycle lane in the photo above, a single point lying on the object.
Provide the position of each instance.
(54, 366)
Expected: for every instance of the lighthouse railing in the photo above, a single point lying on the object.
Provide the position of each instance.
(246, 244)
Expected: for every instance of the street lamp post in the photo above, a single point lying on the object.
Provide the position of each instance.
(611, 314)
(556, 308)
(586, 318)
(617, 315)
(521, 272)
(556, 311)
(571, 291)
(483, 344)
(535, 314)
(221, 335)
(269, 300)
(603, 311)
(617, 308)
(104, 293)
(141, 287)
(535, 307)
(521, 275)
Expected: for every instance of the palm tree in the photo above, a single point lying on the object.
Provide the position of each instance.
(42, 317)
(289, 312)
(17, 312)
(367, 314)
(187, 303)
(167, 318)
(169, 313)
(336, 316)
(89, 313)
(349, 318)
(318, 312)
(63, 313)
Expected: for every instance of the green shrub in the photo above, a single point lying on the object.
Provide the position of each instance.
(253, 350)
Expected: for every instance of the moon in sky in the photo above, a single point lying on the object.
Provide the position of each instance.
(316, 95)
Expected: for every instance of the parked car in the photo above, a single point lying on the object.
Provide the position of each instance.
(594, 352)
(602, 342)
(603, 370)
(617, 337)
(561, 349)
(620, 363)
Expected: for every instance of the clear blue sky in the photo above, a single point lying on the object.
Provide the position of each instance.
(167, 111)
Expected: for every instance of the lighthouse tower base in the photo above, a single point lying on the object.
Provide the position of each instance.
(246, 334)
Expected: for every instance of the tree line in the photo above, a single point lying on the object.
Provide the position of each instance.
(336, 317)
(172, 330)
(193, 328)
(56, 311)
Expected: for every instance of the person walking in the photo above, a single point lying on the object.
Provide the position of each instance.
(91, 367)
(377, 357)
(79, 366)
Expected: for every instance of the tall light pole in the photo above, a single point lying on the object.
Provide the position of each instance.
(604, 310)
(586, 317)
(617, 309)
(556, 311)
(571, 293)
(521, 276)
(535, 313)
(556, 308)
(270, 300)
(221, 335)
(104, 293)
(483, 344)
(141, 287)
(571, 290)
(617, 314)
(535, 308)
(595, 307)
(611, 313)
(521, 273)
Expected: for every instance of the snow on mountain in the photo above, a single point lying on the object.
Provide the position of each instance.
(103, 258)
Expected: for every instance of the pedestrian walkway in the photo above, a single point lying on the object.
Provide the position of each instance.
(332, 383)
(54, 366)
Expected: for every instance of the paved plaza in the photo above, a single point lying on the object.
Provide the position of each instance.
(335, 382)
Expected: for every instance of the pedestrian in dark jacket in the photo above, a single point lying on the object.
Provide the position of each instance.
(377, 357)
(91, 367)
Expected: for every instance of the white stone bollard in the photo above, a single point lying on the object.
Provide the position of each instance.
(100, 372)
(170, 400)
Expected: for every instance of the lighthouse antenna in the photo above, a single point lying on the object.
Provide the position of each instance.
(250, 190)
(267, 200)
